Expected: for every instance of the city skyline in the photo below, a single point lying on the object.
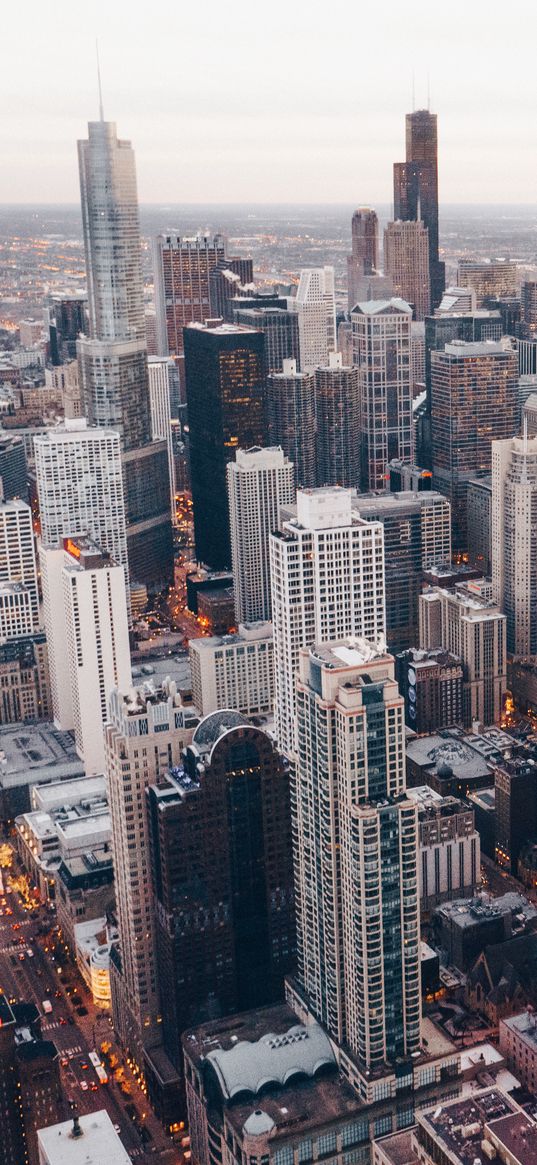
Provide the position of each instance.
(253, 125)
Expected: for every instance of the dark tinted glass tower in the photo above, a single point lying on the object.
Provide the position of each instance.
(280, 329)
(222, 875)
(415, 188)
(113, 360)
(224, 368)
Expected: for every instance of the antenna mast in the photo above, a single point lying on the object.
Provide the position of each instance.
(101, 114)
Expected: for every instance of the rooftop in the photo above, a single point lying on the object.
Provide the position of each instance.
(376, 306)
(36, 752)
(247, 633)
(98, 1145)
(460, 1128)
(524, 1025)
(212, 727)
(349, 653)
(275, 1058)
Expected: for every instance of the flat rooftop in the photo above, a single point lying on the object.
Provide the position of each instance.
(98, 1145)
(36, 752)
(460, 1127)
(350, 653)
(60, 793)
(525, 1026)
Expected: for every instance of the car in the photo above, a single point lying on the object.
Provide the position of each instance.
(84, 1066)
(94, 1086)
(29, 952)
(84, 1085)
(63, 1020)
(64, 1062)
(58, 994)
(22, 956)
(117, 1128)
(16, 925)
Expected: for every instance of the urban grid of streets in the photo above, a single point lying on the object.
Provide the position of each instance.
(40, 976)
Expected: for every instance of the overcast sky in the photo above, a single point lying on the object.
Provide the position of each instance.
(271, 100)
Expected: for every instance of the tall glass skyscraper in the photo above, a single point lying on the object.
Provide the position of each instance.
(415, 188)
(113, 359)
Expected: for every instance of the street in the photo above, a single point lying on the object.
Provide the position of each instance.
(35, 977)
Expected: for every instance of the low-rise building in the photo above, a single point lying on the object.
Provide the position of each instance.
(93, 942)
(518, 1043)
(456, 763)
(84, 891)
(79, 825)
(24, 680)
(32, 754)
(90, 1138)
(234, 671)
(465, 927)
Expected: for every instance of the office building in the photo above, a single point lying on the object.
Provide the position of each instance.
(291, 419)
(449, 848)
(18, 562)
(327, 577)
(415, 188)
(145, 735)
(280, 329)
(474, 327)
(528, 309)
(113, 359)
(417, 533)
(316, 306)
(259, 483)
(473, 402)
(12, 1137)
(479, 523)
(515, 788)
(225, 391)
(529, 414)
(406, 262)
(80, 486)
(88, 636)
(234, 279)
(431, 683)
(13, 473)
(405, 477)
(161, 371)
(181, 272)
(356, 867)
(89, 1138)
(382, 348)
(16, 611)
(363, 260)
(514, 539)
(337, 410)
(417, 357)
(24, 679)
(462, 622)
(68, 315)
(220, 844)
(457, 299)
(496, 279)
(234, 671)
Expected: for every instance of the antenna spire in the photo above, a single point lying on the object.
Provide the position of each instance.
(413, 90)
(101, 113)
(428, 91)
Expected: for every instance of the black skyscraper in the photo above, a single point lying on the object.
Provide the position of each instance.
(415, 188)
(222, 876)
(224, 368)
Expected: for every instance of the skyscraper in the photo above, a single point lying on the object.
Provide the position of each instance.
(88, 636)
(514, 539)
(161, 370)
(406, 262)
(226, 411)
(327, 577)
(181, 272)
(337, 410)
(113, 360)
(496, 279)
(417, 534)
(13, 474)
(356, 838)
(316, 306)
(259, 483)
(80, 486)
(415, 188)
(144, 737)
(528, 295)
(291, 419)
(382, 352)
(363, 259)
(17, 555)
(280, 329)
(220, 844)
(473, 402)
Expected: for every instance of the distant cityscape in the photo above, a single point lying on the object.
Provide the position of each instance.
(268, 677)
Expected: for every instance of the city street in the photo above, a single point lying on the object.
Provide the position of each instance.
(35, 977)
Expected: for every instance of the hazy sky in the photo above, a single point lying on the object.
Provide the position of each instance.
(271, 100)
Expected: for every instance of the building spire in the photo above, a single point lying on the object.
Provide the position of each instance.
(101, 113)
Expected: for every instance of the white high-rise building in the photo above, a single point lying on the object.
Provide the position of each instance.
(80, 487)
(145, 736)
(234, 671)
(382, 351)
(356, 858)
(88, 636)
(327, 577)
(159, 369)
(514, 539)
(316, 306)
(259, 483)
(17, 556)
